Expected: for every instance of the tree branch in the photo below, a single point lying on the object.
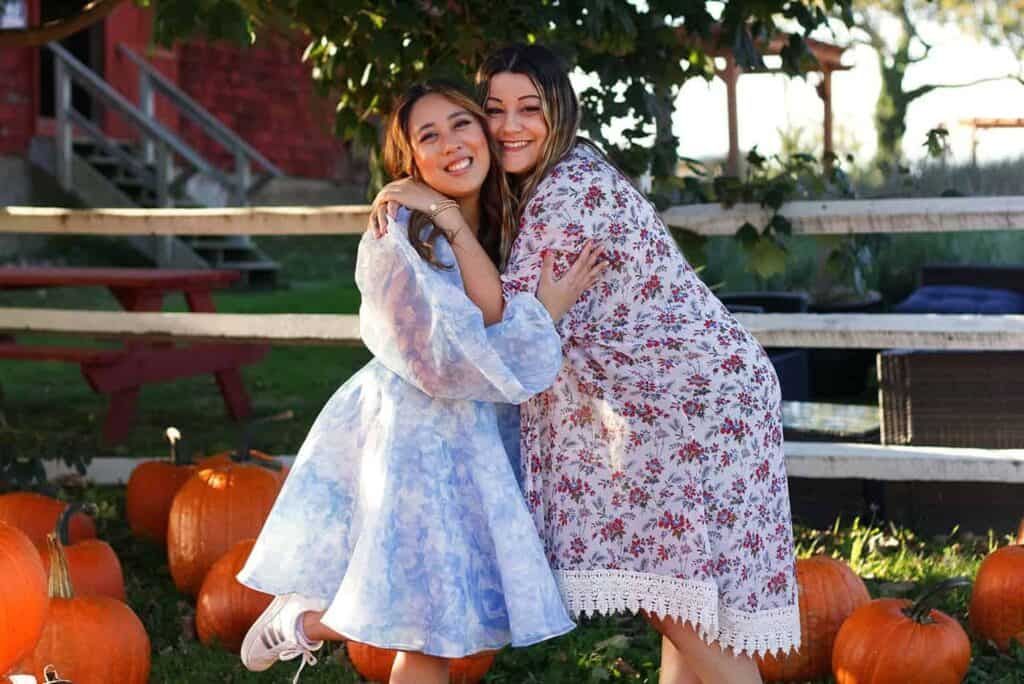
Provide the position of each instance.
(925, 89)
(59, 28)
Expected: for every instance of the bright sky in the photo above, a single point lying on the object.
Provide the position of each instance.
(769, 103)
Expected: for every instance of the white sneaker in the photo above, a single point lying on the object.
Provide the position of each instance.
(273, 638)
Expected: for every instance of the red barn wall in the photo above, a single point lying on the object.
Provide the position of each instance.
(17, 99)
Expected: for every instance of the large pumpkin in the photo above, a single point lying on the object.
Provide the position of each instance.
(151, 489)
(894, 641)
(93, 565)
(226, 609)
(23, 597)
(829, 593)
(36, 515)
(997, 601)
(374, 664)
(88, 639)
(217, 508)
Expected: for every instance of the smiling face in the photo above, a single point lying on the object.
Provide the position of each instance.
(516, 119)
(449, 146)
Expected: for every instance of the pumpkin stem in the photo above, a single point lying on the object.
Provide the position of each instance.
(62, 529)
(245, 453)
(920, 611)
(60, 577)
(179, 454)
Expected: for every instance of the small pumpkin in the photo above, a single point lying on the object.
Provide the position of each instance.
(23, 599)
(894, 641)
(88, 639)
(36, 515)
(374, 664)
(226, 609)
(93, 564)
(997, 601)
(829, 592)
(215, 509)
(151, 489)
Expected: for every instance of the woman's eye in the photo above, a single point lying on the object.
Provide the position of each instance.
(532, 109)
(462, 123)
(428, 137)
(492, 111)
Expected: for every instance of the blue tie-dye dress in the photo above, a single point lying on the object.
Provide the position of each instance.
(402, 513)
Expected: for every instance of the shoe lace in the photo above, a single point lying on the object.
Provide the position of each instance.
(298, 652)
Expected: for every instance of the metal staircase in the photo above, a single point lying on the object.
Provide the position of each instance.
(160, 170)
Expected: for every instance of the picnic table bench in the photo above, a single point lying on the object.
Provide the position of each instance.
(121, 372)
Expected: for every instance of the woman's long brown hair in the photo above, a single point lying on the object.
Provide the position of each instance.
(497, 218)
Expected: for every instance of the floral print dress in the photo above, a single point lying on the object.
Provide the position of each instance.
(402, 515)
(653, 466)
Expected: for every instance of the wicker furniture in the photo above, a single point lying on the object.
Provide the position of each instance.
(955, 398)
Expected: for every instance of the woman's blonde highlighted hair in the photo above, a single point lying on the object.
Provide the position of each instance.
(559, 105)
(497, 218)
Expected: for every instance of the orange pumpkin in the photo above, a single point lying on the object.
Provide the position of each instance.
(217, 508)
(374, 664)
(829, 593)
(23, 597)
(997, 601)
(151, 489)
(894, 641)
(88, 639)
(226, 609)
(94, 567)
(36, 515)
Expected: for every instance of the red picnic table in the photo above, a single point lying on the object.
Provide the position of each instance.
(122, 372)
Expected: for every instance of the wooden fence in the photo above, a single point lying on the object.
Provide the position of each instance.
(807, 459)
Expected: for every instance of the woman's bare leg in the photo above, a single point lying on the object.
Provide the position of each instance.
(674, 669)
(316, 630)
(709, 661)
(419, 668)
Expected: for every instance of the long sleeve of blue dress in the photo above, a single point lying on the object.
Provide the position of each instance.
(402, 514)
(418, 321)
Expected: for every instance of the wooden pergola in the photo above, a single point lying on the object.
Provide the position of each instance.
(829, 60)
(977, 124)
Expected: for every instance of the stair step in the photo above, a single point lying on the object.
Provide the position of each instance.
(250, 265)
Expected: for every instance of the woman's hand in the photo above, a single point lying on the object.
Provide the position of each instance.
(404, 192)
(558, 296)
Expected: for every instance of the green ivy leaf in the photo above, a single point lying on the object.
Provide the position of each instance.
(767, 258)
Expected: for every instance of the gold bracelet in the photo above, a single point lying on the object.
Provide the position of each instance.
(437, 207)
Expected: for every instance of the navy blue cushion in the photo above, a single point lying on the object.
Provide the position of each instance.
(951, 299)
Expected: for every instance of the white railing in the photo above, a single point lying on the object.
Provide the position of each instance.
(809, 459)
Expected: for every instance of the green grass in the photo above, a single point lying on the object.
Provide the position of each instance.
(893, 562)
(50, 409)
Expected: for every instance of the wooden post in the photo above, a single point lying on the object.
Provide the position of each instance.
(147, 104)
(731, 75)
(825, 91)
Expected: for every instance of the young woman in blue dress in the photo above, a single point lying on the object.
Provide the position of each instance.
(401, 523)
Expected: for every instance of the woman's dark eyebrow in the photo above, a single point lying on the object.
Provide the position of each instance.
(451, 116)
(521, 97)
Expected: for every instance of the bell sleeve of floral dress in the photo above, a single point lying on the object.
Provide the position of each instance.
(418, 321)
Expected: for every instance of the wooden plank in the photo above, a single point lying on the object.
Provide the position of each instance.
(334, 220)
(151, 278)
(840, 331)
(824, 460)
(967, 332)
(840, 217)
(288, 329)
(837, 217)
(928, 464)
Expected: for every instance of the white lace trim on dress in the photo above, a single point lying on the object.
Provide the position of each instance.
(590, 592)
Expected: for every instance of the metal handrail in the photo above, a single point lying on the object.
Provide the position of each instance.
(206, 121)
(86, 78)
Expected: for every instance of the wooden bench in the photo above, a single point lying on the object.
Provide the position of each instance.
(121, 372)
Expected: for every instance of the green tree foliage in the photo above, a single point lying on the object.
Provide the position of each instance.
(893, 29)
(366, 52)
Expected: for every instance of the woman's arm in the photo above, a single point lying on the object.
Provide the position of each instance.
(480, 276)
